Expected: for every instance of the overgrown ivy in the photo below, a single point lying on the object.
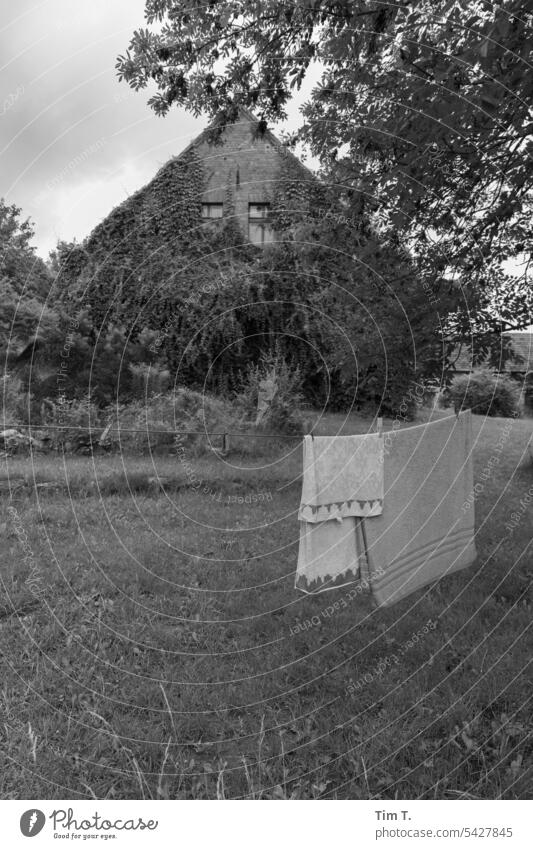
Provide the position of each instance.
(297, 196)
(215, 304)
(134, 243)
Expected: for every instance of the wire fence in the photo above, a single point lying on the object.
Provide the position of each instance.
(147, 431)
(107, 429)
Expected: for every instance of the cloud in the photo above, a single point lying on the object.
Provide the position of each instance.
(75, 206)
(73, 139)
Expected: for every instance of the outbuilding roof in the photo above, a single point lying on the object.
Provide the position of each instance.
(521, 362)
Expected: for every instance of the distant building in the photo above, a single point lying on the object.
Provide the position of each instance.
(248, 163)
(229, 190)
(518, 365)
(240, 171)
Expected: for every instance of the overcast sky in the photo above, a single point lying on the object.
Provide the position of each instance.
(74, 142)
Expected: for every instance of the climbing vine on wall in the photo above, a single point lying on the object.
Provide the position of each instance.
(143, 242)
(211, 305)
(297, 196)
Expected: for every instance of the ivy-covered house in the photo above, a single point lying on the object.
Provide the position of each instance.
(236, 250)
(237, 188)
(231, 177)
(191, 244)
(242, 172)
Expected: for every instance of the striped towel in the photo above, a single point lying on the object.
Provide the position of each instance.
(423, 533)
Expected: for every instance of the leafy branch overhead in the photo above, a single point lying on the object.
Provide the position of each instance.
(421, 113)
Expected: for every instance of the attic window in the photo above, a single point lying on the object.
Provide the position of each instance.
(212, 210)
(259, 229)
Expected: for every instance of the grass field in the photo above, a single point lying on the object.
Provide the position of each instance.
(150, 645)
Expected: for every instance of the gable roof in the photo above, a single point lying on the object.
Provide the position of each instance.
(267, 134)
(128, 206)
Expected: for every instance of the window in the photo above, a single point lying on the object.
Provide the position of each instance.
(259, 229)
(212, 210)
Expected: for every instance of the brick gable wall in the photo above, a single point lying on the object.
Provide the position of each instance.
(250, 166)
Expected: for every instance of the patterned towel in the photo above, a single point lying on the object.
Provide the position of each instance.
(423, 533)
(343, 476)
(328, 556)
(343, 481)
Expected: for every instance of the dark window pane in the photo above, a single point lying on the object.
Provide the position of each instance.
(212, 210)
(259, 231)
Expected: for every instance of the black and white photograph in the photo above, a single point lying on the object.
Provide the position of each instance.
(266, 491)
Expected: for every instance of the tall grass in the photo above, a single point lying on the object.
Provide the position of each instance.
(150, 649)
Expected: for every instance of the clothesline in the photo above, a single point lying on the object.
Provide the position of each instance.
(224, 433)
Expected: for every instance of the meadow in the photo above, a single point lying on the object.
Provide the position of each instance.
(152, 644)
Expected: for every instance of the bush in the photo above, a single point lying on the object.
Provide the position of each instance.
(283, 414)
(71, 424)
(485, 393)
(146, 426)
(171, 413)
(148, 380)
(15, 401)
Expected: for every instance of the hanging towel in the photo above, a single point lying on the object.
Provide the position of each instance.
(423, 532)
(328, 556)
(343, 476)
(342, 481)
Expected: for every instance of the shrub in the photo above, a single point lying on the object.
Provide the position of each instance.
(15, 402)
(171, 413)
(485, 394)
(72, 424)
(148, 425)
(283, 414)
(148, 380)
